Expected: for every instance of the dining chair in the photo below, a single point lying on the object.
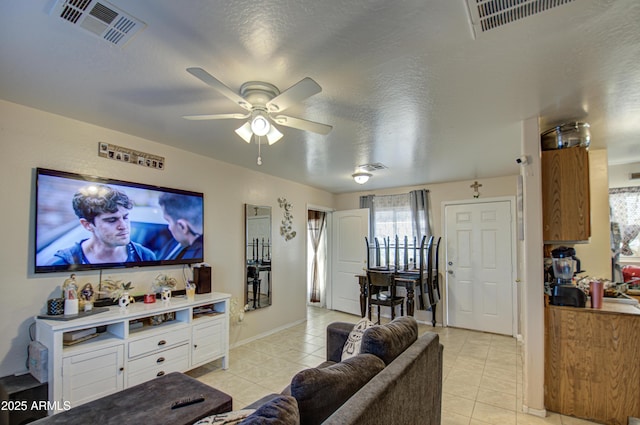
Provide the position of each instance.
(435, 282)
(381, 291)
(253, 278)
(425, 272)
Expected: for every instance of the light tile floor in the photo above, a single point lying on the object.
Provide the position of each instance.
(482, 372)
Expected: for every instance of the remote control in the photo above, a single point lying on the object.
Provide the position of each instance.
(187, 402)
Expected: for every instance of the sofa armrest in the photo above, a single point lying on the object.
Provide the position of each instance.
(337, 335)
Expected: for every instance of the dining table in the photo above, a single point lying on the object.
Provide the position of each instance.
(407, 279)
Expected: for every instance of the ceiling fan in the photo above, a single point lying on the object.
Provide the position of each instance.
(264, 103)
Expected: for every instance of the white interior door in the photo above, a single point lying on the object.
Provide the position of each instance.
(479, 264)
(348, 256)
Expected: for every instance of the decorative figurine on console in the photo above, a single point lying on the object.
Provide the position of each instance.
(70, 288)
(86, 297)
(70, 295)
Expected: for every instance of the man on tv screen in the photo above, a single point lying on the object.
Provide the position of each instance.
(104, 212)
(184, 220)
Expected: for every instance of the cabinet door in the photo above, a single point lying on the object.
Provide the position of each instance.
(92, 375)
(565, 195)
(208, 341)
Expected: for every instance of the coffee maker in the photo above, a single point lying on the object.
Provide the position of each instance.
(565, 265)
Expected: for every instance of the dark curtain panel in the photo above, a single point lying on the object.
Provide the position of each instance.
(421, 213)
(316, 224)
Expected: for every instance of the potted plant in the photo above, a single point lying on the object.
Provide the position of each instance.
(164, 284)
(117, 290)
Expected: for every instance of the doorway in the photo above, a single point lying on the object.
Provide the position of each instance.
(480, 264)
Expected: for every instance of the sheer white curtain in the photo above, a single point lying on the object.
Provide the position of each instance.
(625, 210)
(404, 214)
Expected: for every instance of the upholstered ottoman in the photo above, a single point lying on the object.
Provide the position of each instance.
(148, 403)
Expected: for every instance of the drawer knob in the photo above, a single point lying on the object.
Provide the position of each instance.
(162, 342)
(160, 360)
(195, 345)
(160, 373)
(121, 369)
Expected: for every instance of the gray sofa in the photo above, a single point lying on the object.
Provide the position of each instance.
(396, 379)
(407, 391)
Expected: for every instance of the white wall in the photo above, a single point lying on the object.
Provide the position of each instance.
(620, 175)
(32, 138)
(595, 256)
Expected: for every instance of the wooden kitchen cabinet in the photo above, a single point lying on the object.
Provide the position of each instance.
(591, 366)
(566, 201)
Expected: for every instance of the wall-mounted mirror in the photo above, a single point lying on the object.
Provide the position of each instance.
(257, 256)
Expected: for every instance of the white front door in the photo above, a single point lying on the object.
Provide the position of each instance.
(348, 254)
(479, 263)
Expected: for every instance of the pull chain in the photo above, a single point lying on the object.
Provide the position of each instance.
(259, 155)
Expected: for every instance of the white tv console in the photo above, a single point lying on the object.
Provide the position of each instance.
(126, 354)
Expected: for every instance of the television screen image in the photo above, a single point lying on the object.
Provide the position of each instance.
(85, 222)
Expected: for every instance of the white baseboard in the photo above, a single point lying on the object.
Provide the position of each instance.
(541, 413)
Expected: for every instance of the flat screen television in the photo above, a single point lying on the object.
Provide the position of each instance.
(84, 222)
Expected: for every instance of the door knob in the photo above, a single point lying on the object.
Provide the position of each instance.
(450, 271)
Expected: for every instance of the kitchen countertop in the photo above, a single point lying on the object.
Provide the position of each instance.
(607, 308)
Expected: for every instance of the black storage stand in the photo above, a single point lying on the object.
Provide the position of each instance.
(21, 397)
(202, 279)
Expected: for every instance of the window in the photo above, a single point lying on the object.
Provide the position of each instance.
(392, 216)
(625, 211)
(400, 216)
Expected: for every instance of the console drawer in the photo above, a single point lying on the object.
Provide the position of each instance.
(154, 365)
(159, 359)
(159, 341)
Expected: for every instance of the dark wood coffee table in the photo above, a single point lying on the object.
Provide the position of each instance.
(148, 403)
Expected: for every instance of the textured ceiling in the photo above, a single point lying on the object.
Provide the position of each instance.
(405, 83)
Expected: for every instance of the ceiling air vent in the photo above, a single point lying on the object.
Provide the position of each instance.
(489, 14)
(634, 176)
(100, 18)
(372, 167)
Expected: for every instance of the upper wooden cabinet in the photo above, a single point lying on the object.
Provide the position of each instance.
(565, 195)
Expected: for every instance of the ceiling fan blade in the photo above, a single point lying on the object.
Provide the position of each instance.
(295, 94)
(216, 117)
(211, 81)
(301, 124)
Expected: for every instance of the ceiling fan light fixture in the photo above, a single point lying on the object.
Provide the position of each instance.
(273, 135)
(361, 177)
(260, 125)
(245, 132)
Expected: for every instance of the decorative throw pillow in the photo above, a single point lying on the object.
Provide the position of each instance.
(352, 346)
(229, 418)
(320, 392)
(281, 410)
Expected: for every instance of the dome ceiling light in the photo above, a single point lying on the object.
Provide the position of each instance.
(361, 177)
